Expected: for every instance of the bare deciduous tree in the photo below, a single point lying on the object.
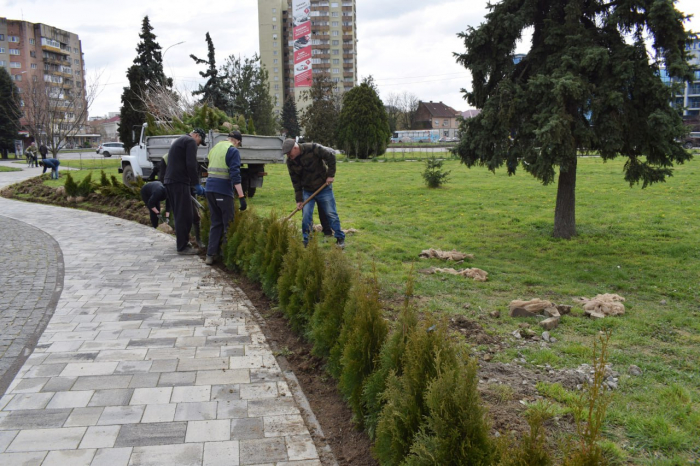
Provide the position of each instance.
(56, 111)
(401, 109)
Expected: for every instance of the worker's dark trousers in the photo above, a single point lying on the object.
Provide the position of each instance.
(181, 205)
(221, 213)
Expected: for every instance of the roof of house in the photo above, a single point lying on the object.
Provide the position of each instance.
(440, 110)
(470, 113)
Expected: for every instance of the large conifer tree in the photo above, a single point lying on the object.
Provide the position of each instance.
(290, 119)
(212, 91)
(320, 118)
(10, 112)
(363, 125)
(588, 83)
(146, 71)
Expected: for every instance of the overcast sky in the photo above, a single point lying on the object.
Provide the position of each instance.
(407, 45)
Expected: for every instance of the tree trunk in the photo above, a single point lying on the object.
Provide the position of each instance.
(565, 211)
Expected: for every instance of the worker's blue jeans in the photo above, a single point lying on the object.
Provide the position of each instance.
(327, 202)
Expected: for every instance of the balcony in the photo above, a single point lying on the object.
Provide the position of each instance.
(348, 74)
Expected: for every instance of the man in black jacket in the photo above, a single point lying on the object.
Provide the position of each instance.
(153, 194)
(180, 179)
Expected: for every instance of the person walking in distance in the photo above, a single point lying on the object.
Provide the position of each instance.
(44, 151)
(180, 180)
(224, 177)
(310, 167)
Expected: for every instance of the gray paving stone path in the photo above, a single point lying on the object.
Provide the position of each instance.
(147, 360)
(31, 279)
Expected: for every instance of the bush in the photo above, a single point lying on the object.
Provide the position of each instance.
(455, 431)
(405, 408)
(85, 187)
(103, 179)
(389, 362)
(327, 319)
(433, 175)
(285, 284)
(242, 223)
(279, 235)
(70, 186)
(531, 450)
(118, 189)
(362, 337)
(306, 289)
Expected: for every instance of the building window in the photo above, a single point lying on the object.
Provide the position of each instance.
(274, 36)
(12, 39)
(335, 42)
(274, 52)
(32, 53)
(275, 61)
(336, 70)
(437, 122)
(335, 24)
(334, 4)
(277, 70)
(33, 66)
(274, 27)
(76, 61)
(334, 33)
(277, 87)
(75, 50)
(336, 61)
(2, 49)
(2, 36)
(51, 43)
(15, 64)
(277, 78)
(18, 77)
(14, 51)
(334, 14)
(274, 44)
(32, 42)
(336, 52)
(2, 62)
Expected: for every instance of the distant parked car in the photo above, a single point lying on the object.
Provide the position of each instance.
(109, 149)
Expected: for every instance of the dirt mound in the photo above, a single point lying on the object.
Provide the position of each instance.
(472, 330)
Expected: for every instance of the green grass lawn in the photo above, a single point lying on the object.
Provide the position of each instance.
(9, 169)
(110, 164)
(641, 244)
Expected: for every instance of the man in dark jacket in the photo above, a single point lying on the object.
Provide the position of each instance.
(180, 179)
(312, 166)
(224, 177)
(153, 194)
(52, 164)
(43, 150)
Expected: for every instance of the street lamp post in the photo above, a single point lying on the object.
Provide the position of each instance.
(166, 50)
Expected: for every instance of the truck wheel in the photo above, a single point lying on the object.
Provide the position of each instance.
(106, 154)
(251, 192)
(688, 145)
(128, 175)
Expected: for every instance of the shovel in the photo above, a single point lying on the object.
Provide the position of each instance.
(306, 201)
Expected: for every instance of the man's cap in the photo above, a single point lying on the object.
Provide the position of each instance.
(236, 135)
(201, 134)
(288, 145)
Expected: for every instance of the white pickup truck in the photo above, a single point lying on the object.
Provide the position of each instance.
(256, 151)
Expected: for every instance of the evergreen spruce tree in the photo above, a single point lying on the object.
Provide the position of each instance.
(363, 125)
(251, 126)
(10, 113)
(212, 91)
(290, 119)
(320, 119)
(588, 83)
(146, 71)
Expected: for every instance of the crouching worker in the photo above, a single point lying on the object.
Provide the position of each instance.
(153, 194)
(224, 176)
(52, 164)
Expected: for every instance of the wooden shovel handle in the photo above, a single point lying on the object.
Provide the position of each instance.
(306, 201)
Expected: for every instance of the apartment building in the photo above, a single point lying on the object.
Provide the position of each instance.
(689, 98)
(301, 38)
(38, 55)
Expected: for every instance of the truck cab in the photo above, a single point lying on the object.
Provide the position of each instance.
(256, 151)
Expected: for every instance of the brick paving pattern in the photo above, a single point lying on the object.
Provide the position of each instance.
(31, 270)
(147, 360)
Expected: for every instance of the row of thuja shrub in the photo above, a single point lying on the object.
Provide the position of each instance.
(106, 186)
(410, 384)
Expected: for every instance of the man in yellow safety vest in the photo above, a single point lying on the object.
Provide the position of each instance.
(224, 176)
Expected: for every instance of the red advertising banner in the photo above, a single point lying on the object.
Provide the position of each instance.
(303, 74)
(303, 79)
